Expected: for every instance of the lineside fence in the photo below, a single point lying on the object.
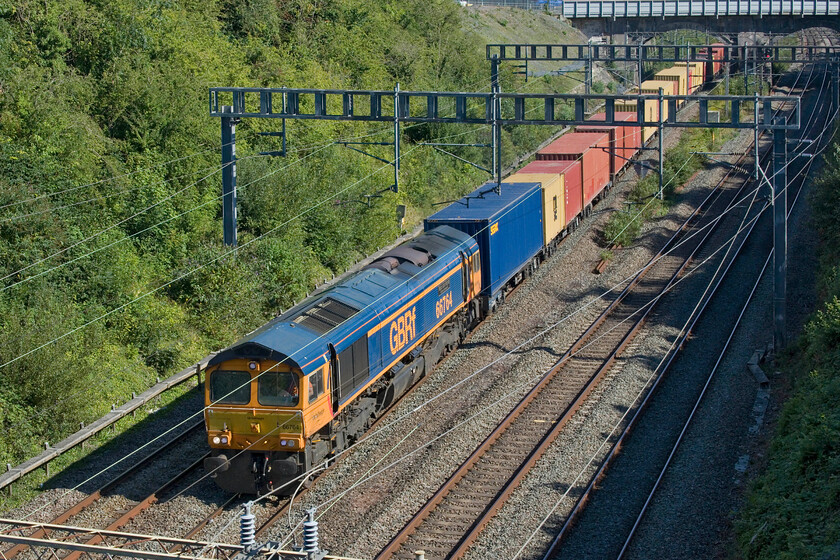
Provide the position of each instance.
(117, 413)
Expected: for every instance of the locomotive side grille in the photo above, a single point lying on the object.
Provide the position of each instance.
(325, 315)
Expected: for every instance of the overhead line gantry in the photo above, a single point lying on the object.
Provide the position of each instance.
(497, 109)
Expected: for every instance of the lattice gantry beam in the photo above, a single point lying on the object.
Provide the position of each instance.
(478, 108)
(658, 53)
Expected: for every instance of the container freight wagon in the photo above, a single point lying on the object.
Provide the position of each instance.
(507, 226)
(572, 173)
(625, 141)
(553, 186)
(593, 151)
(651, 113)
(696, 74)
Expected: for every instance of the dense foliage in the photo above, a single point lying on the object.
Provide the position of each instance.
(112, 266)
(794, 506)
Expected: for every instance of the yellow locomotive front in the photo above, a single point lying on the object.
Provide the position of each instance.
(256, 414)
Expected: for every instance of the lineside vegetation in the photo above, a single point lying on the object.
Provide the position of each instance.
(110, 183)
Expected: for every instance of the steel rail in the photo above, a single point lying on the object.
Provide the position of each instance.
(203, 523)
(602, 371)
(501, 495)
(107, 487)
(285, 508)
(683, 340)
(584, 498)
(711, 375)
(140, 506)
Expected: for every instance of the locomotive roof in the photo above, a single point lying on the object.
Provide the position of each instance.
(299, 336)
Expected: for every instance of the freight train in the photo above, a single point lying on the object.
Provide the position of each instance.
(308, 384)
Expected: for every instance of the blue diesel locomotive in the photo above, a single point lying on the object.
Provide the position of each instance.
(309, 383)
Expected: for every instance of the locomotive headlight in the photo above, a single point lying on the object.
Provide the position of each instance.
(252, 366)
(224, 440)
(282, 442)
(217, 440)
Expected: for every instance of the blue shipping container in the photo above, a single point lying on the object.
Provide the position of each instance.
(507, 226)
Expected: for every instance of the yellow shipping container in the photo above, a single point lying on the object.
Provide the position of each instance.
(651, 114)
(674, 74)
(698, 71)
(651, 87)
(554, 200)
(651, 107)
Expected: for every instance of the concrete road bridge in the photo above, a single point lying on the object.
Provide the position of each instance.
(722, 17)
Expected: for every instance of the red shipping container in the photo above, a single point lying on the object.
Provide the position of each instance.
(573, 171)
(593, 150)
(717, 56)
(625, 141)
(615, 141)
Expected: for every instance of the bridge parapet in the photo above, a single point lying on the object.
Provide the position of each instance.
(614, 9)
(659, 53)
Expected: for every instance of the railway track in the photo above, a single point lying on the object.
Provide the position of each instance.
(714, 285)
(112, 485)
(518, 452)
(539, 419)
(820, 39)
(452, 519)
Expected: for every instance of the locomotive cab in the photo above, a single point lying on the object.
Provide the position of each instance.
(255, 417)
